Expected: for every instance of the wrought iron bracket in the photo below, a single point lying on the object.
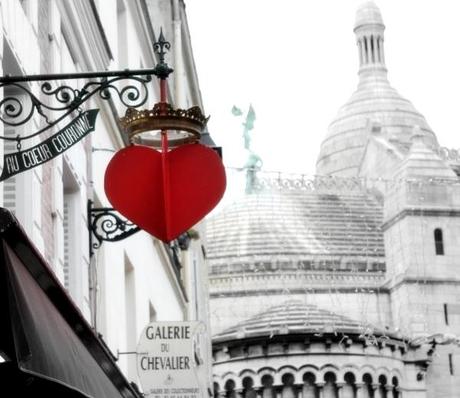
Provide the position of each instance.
(106, 225)
(52, 102)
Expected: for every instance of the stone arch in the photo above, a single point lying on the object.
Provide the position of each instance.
(267, 381)
(330, 384)
(349, 385)
(383, 372)
(287, 385)
(325, 369)
(230, 387)
(252, 374)
(248, 384)
(284, 370)
(217, 380)
(367, 369)
(309, 388)
(348, 368)
(308, 369)
(231, 376)
(396, 373)
(368, 379)
(266, 371)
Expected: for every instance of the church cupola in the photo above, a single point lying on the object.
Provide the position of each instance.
(369, 29)
(375, 102)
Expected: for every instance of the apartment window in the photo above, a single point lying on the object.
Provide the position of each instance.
(438, 242)
(451, 364)
(446, 314)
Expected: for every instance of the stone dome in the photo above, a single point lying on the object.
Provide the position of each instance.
(368, 13)
(374, 103)
(294, 317)
(324, 226)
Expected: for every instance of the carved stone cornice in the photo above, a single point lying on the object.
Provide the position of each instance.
(301, 282)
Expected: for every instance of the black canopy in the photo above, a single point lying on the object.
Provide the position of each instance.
(48, 346)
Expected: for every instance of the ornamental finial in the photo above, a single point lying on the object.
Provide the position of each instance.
(162, 69)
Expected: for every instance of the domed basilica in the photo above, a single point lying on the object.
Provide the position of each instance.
(345, 285)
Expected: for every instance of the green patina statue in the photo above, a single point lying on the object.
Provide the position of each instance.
(254, 162)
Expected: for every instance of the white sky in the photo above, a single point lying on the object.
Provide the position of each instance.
(296, 61)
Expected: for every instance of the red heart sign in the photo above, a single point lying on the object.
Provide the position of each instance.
(135, 183)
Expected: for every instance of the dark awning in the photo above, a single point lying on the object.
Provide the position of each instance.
(49, 346)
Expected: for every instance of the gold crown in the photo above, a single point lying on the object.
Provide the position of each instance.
(190, 122)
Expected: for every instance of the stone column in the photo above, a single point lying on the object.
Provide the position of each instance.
(320, 386)
(377, 393)
(367, 49)
(339, 388)
(239, 393)
(361, 50)
(389, 389)
(360, 390)
(298, 389)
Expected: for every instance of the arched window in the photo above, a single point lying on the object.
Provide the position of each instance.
(348, 390)
(438, 242)
(248, 388)
(230, 389)
(368, 391)
(395, 387)
(330, 388)
(382, 386)
(288, 386)
(309, 387)
(267, 385)
(215, 390)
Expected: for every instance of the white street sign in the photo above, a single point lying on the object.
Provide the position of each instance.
(166, 360)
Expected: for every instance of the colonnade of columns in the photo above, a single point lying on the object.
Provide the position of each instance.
(310, 388)
(371, 50)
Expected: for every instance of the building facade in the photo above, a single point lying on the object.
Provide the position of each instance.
(119, 287)
(345, 284)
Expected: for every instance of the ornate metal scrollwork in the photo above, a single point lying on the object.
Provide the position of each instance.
(106, 225)
(22, 101)
(14, 112)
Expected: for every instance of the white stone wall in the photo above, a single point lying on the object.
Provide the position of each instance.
(125, 285)
(297, 360)
(424, 284)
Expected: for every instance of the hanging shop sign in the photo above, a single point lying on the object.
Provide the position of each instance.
(166, 360)
(78, 128)
(165, 193)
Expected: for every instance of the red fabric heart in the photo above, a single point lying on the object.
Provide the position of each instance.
(133, 184)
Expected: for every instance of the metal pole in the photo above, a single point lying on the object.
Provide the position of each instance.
(82, 75)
